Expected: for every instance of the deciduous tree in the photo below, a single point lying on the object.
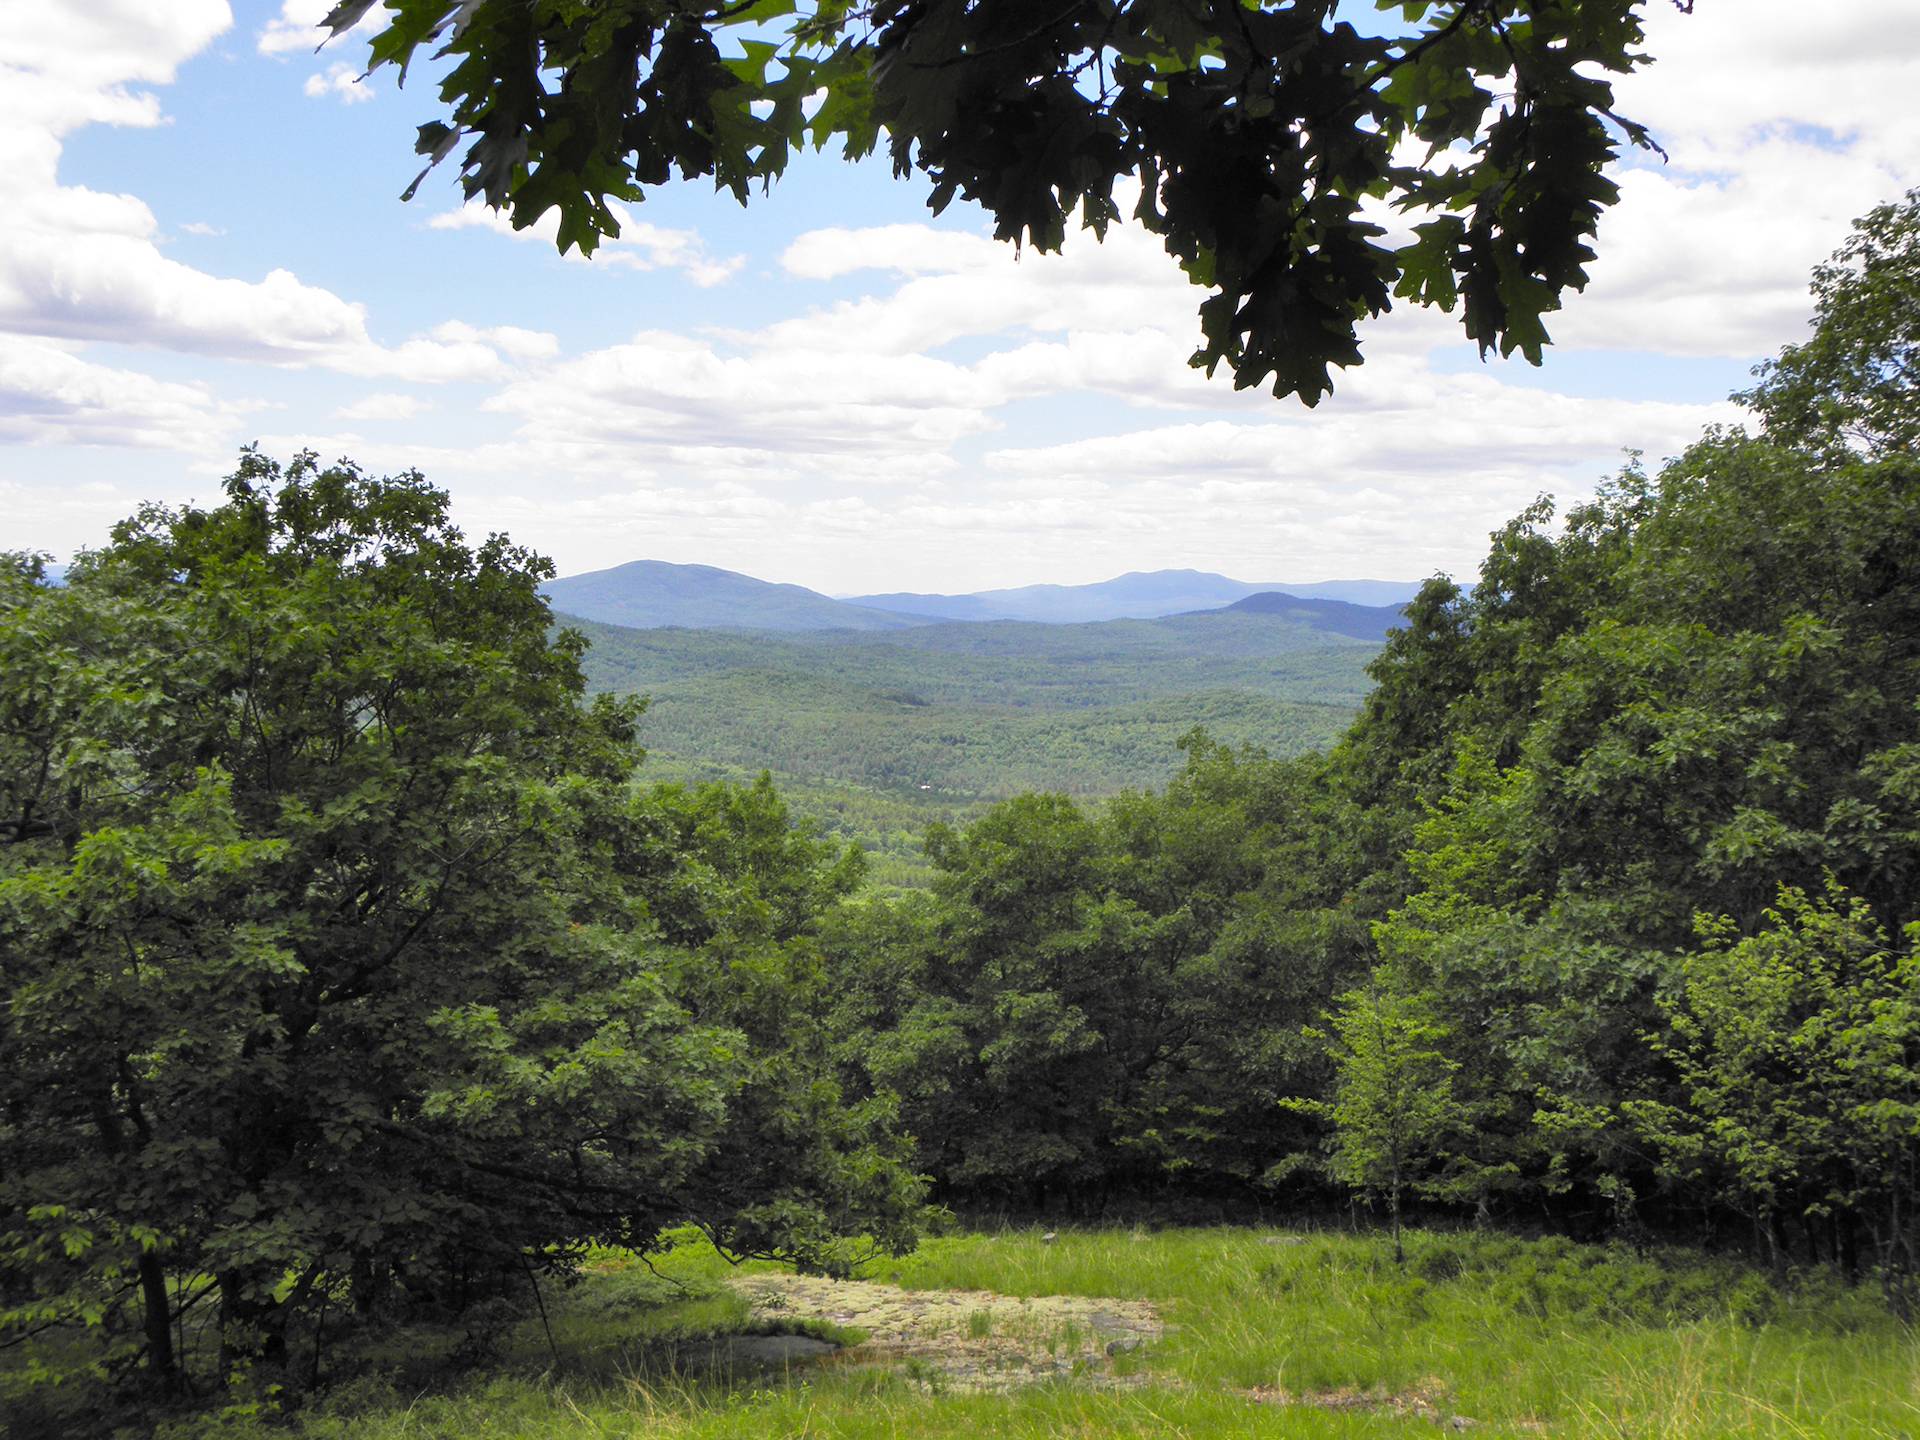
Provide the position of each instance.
(336, 958)
(1262, 140)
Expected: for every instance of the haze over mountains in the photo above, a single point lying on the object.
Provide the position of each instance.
(880, 721)
(1137, 595)
(646, 594)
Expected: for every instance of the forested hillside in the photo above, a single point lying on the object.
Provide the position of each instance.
(817, 728)
(879, 736)
(1022, 664)
(649, 594)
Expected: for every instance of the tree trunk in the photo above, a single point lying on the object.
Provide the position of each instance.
(157, 1319)
(1393, 1207)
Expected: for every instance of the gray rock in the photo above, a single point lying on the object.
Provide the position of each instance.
(755, 1352)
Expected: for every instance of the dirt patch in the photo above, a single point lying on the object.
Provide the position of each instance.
(967, 1340)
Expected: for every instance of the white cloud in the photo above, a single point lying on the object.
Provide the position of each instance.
(843, 421)
(638, 246)
(343, 82)
(100, 276)
(383, 406)
(78, 264)
(508, 339)
(1782, 125)
(297, 27)
(63, 66)
(49, 396)
(200, 227)
(875, 389)
(1726, 75)
(671, 390)
(1358, 489)
(962, 286)
(904, 249)
(1479, 429)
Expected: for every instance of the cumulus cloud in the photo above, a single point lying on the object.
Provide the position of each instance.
(1782, 126)
(902, 249)
(666, 390)
(511, 340)
(638, 246)
(856, 421)
(50, 396)
(63, 66)
(83, 266)
(343, 82)
(1334, 494)
(79, 264)
(877, 389)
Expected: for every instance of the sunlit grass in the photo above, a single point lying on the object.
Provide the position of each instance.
(1592, 1340)
(1519, 1337)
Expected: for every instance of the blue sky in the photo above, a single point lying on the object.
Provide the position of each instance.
(206, 248)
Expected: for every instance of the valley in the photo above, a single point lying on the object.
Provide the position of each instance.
(876, 734)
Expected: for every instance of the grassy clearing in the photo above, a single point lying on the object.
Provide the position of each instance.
(1590, 1340)
(1523, 1337)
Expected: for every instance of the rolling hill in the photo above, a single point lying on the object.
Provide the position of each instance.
(976, 711)
(1008, 663)
(646, 593)
(650, 594)
(1359, 622)
(877, 733)
(1136, 595)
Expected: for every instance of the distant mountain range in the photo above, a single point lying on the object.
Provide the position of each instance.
(1362, 622)
(1137, 595)
(648, 594)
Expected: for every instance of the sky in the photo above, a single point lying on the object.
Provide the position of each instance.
(203, 247)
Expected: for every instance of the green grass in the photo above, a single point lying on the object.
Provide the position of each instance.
(1591, 1340)
(1524, 1337)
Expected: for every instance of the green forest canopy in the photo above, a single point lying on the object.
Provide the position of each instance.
(341, 957)
(954, 716)
(1609, 894)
